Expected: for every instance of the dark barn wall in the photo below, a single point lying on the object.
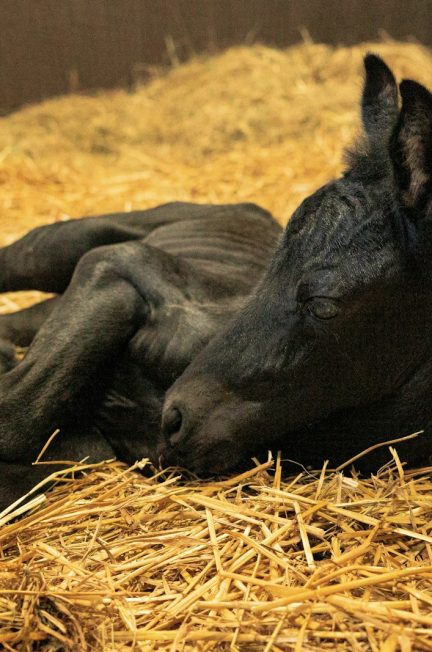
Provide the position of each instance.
(50, 47)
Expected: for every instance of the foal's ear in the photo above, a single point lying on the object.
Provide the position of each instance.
(411, 147)
(379, 103)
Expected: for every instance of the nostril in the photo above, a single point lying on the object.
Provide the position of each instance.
(171, 424)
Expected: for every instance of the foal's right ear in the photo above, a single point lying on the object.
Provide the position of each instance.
(411, 148)
(379, 100)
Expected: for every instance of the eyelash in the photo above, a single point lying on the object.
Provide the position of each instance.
(313, 305)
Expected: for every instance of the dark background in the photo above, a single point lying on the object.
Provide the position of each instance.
(51, 47)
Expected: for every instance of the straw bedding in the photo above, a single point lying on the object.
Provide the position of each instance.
(115, 561)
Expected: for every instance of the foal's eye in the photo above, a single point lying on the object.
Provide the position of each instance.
(322, 308)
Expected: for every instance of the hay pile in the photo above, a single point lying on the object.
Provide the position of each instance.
(320, 561)
(114, 561)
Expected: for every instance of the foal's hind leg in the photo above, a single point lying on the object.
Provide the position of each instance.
(46, 257)
(21, 327)
(7, 356)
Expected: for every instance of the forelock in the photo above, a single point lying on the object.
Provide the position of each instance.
(342, 216)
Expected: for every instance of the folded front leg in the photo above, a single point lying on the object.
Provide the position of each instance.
(66, 369)
(117, 292)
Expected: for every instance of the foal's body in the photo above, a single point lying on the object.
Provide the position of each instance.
(139, 295)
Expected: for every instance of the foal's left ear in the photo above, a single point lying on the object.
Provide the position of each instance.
(411, 148)
(379, 105)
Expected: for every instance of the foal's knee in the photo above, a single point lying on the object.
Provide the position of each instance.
(108, 262)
